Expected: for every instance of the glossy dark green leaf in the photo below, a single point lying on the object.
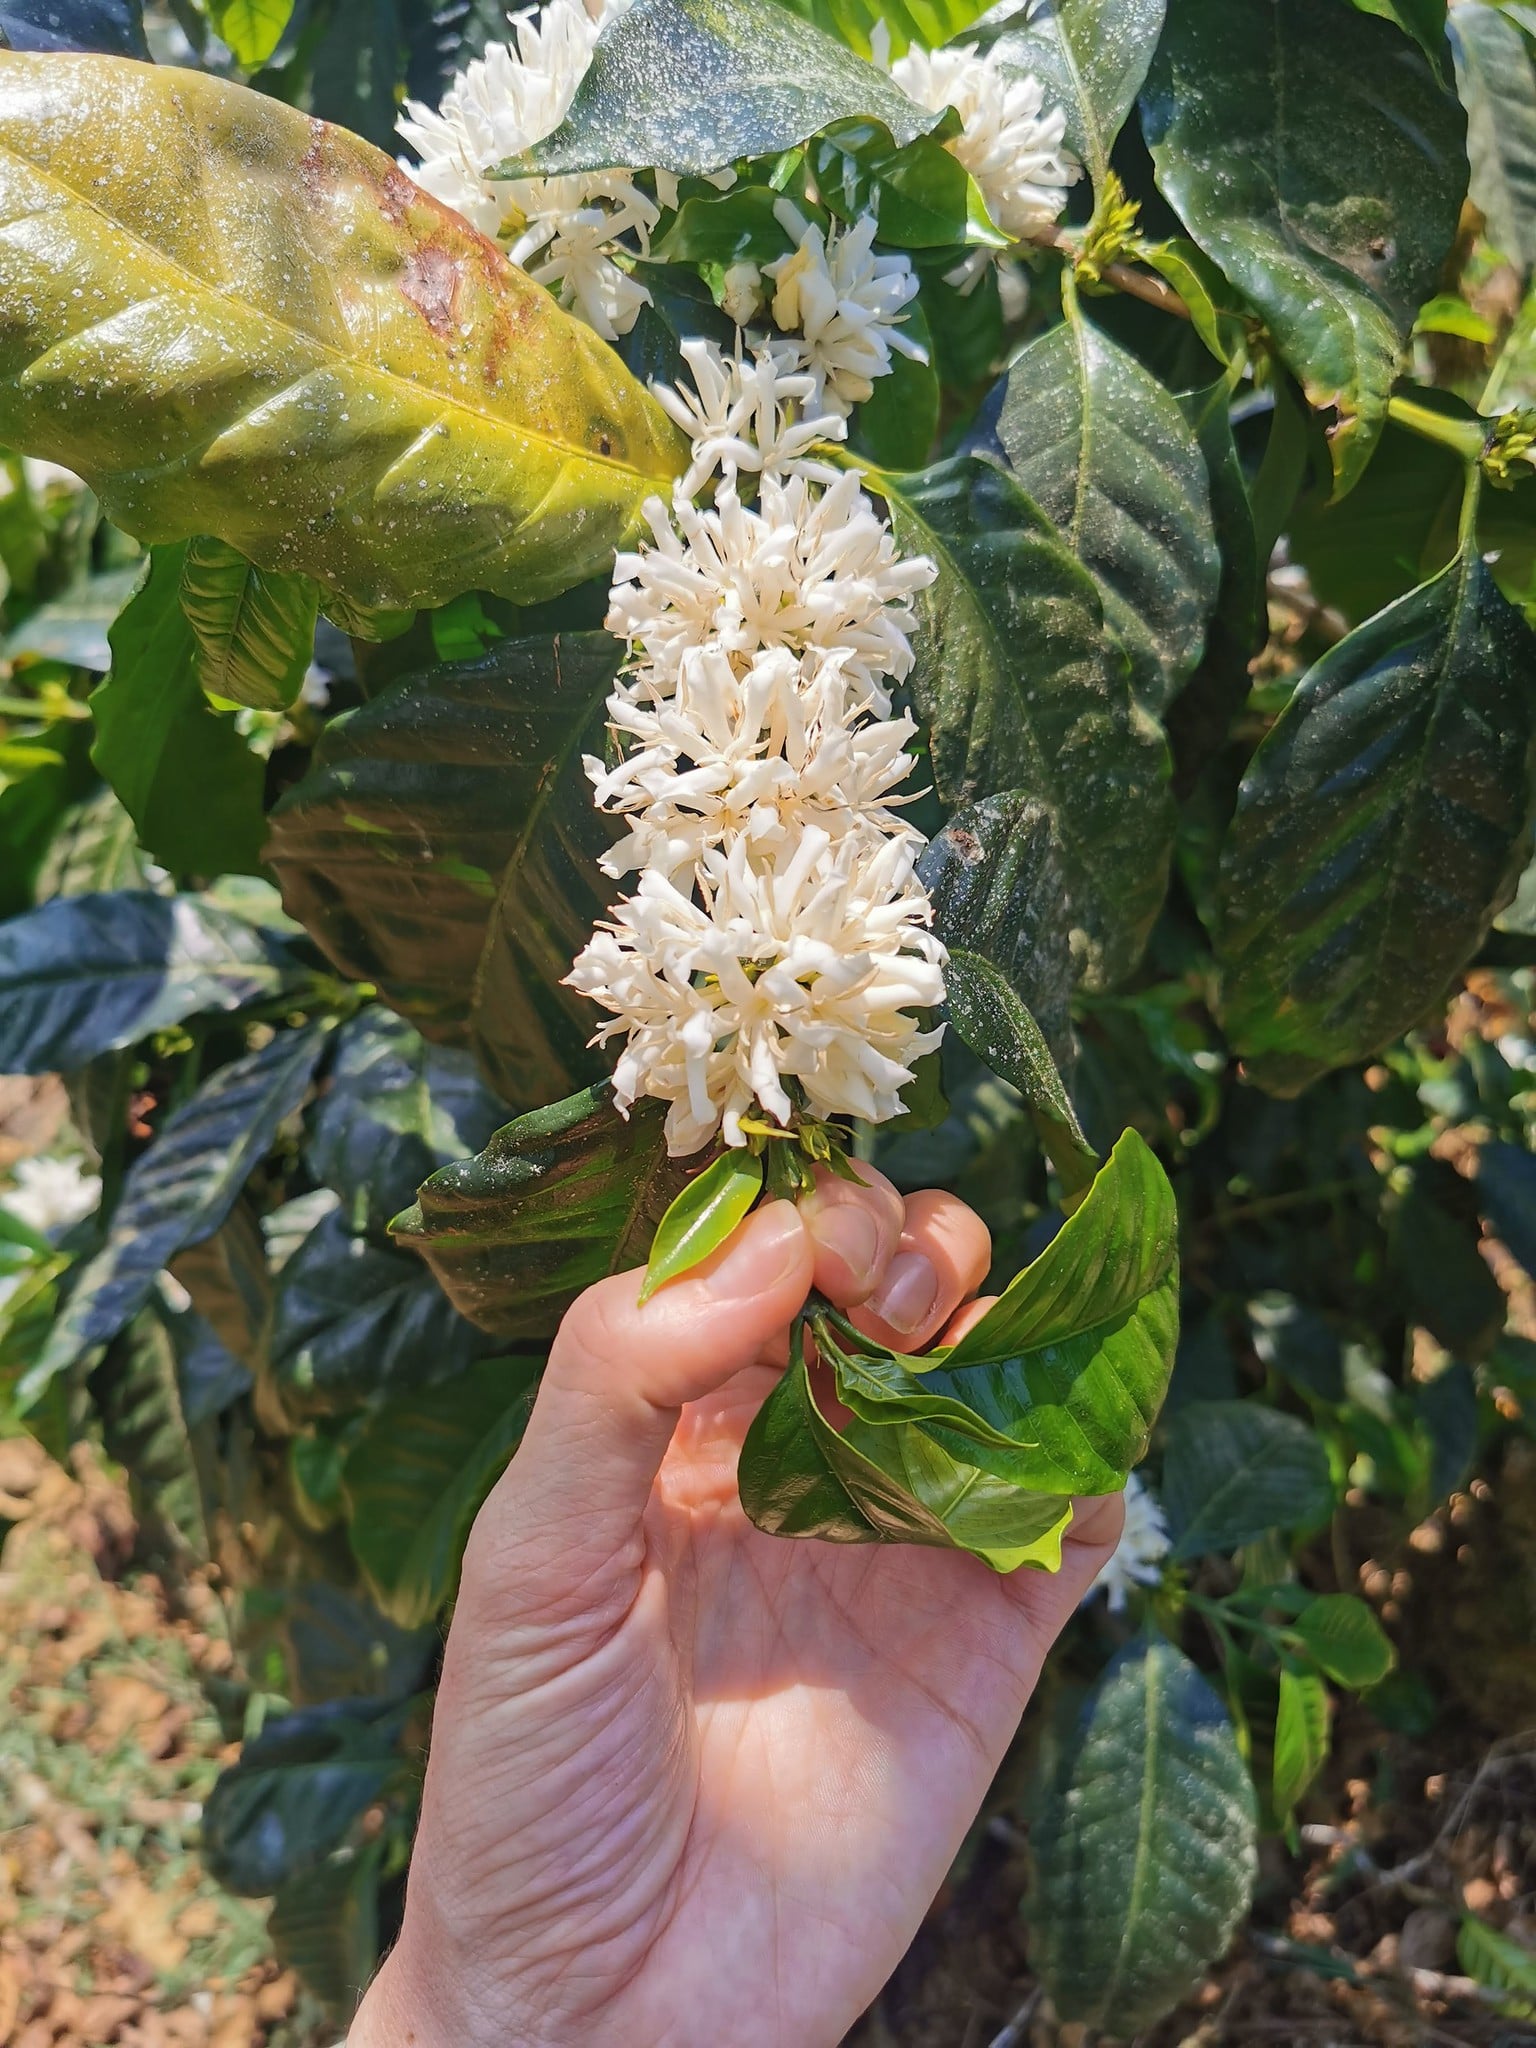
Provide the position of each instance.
(995, 880)
(1424, 20)
(113, 26)
(180, 1190)
(989, 1015)
(1301, 1735)
(1344, 1639)
(1021, 688)
(1312, 153)
(920, 193)
(1506, 1194)
(928, 22)
(1496, 79)
(1378, 829)
(83, 975)
(394, 1110)
(254, 628)
(73, 628)
(1145, 1848)
(689, 85)
(299, 1789)
(738, 226)
(146, 1428)
(444, 847)
(305, 355)
(1058, 1385)
(798, 1476)
(1091, 56)
(353, 1320)
(897, 426)
(335, 1644)
(39, 781)
(1105, 451)
(1396, 527)
(324, 1926)
(92, 848)
(1235, 1470)
(557, 1200)
(702, 1217)
(414, 1480)
(1433, 1237)
(181, 769)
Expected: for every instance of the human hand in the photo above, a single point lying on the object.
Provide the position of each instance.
(691, 1784)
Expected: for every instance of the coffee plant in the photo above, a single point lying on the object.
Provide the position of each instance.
(1183, 352)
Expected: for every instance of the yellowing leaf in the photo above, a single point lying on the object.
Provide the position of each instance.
(234, 320)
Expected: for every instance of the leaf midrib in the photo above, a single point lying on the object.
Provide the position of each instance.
(1146, 1814)
(326, 351)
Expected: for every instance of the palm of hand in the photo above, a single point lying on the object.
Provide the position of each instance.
(782, 1745)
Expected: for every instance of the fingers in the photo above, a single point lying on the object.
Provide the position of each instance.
(1049, 1600)
(966, 1317)
(942, 1256)
(572, 1500)
(854, 1230)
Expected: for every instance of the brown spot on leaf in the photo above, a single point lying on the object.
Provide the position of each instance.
(397, 193)
(966, 845)
(431, 281)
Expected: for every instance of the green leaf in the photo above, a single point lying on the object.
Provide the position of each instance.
(255, 628)
(35, 806)
(252, 28)
(179, 1191)
(84, 975)
(920, 193)
(798, 1476)
(92, 848)
(558, 1199)
(1301, 1735)
(1107, 454)
(1496, 79)
(927, 22)
(116, 26)
(313, 363)
(73, 628)
(710, 226)
(1501, 1963)
(414, 1481)
(1145, 1848)
(1316, 158)
(1057, 1386)
(354, 1320)
(702, 1217)
(1091, 56)
(988, 1014)
(138, 1394)
(1021, 688)
(691, 85)
(1433, 1256)
(1343, 1638)
(1506, 1195)
(444, 847)
(1234, 1470)
(324, 1926)
(182, 770)
(298, 1791)
(1424, 20)
(993, 875)
(899, 423)
(1378, 828)
(394, 1111)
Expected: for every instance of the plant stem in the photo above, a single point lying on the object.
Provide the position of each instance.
(1464, 437)
(1137, 284)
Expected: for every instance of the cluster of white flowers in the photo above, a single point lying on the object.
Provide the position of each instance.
(50, 1194)
(563, 231)
(1137, 1559)
(778, 932)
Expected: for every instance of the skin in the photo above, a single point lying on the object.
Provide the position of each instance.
(691, 1784)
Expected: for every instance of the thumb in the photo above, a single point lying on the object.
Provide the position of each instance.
(570, 1504)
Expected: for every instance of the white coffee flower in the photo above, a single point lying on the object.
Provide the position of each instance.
(814, 574)
(561, 230)
(844, 302)
(721, 754)
(1009, 141)
(741, 293)
(744, 414)
(1137, 1559)
(51, 1194)
(807, 965)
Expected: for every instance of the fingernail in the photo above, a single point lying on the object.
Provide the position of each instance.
(911, 1288)
(767, 1250)
(848, 1231)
